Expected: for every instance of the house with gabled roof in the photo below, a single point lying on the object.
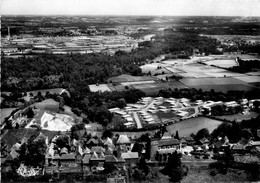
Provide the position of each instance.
(68, 159)
(130, 157)
(92, 142)
(101, 157)
(123, 139)
(111, 159)
(97, 149)
(94, 159)
(166, 135)
(108, 151)
(108, 142)
(190, 141)
(64, 150)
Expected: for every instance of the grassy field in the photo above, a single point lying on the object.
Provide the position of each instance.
(249, 79)
(193, 125)
(5, 112)
(218, 84)
(223, 63)
(151, 88)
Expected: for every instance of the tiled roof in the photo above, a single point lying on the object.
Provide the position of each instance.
(86, 159)
(123, 139)
(64, 150)
(101, 156)
(238, 147)
(129, 155)
(166, 151)
(183, 141)
(40, 136)
(97, 149)
(166, 135)
(109, 151)
(168, 142)
(204, 140)
(67, 157)
(94, 141)
(14, 154)
(94, 156)
(56, 157)
(188, 139)
(87, 151)
(121, 159)
(255, 143)
(109, 142)
(219, 143)
(111, 159)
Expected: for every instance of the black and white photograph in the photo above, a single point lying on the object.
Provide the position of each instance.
(130, 91)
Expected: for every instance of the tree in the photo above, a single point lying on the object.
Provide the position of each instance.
(30, 113)
(173, 168)
(137, 148)
(204, 132)
(177, 135)
(107, 134)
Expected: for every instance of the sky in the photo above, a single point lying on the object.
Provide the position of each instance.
(131, 7)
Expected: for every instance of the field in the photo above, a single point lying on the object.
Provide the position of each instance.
(176, 84)
(222, 63)
(129, 78)
(151, 88)
(193, 125)
(5, 112)
(100, 87)
(218, 84)
(249, 79)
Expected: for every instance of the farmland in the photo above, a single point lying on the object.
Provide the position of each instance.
(218, 84)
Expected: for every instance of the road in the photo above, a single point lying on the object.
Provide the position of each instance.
(148, 106)
(137, 120)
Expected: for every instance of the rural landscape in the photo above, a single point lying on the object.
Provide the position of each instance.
(130, 98)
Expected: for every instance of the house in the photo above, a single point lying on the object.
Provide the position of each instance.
(97, 149)
(204, 141)
(108, 142)
(166, 135)
(183, 142)
(94, 159)
(123, 139)
(68, 160)
(85, 165)
(64, 150)
(92, 142)
(169, 143)
(111, 159)
(238, 148)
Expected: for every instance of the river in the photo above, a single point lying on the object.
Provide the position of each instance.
(193, 125)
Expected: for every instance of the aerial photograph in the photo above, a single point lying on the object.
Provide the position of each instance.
(130, 91)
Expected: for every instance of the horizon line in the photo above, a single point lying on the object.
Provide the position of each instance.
(258, 16)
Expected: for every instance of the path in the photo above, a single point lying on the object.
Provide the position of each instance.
(137, 120)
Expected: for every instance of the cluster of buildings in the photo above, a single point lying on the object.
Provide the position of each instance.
(85, 158)
(64, 45)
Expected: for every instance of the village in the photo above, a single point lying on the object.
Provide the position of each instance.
(70, 148)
